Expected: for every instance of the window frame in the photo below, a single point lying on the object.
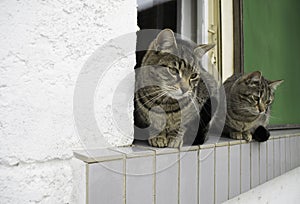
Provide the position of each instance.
(190, 24)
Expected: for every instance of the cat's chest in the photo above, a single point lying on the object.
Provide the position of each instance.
(187, 113)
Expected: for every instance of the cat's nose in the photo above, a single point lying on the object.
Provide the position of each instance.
(184, 89)
(184, 86)
(261, 108)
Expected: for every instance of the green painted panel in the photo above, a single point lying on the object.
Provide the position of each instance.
(272, 45)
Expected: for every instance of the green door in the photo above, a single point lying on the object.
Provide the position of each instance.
(272, 45)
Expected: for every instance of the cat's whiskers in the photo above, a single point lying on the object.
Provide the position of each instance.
(241, 109)
(273, 117)
(194, 102)
(153, 100)
(170, 88)
(146, 95)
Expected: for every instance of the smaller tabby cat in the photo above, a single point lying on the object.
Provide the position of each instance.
(249, 98)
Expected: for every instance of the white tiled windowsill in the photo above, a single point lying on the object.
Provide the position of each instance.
(211, 173)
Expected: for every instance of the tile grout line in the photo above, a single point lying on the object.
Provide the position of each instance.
(273, 159)
(228, 175)
(178, 178)
(198, 176)
(287, 165)
(215, 152)
(250, 165)
(154, 177)
(298, 151)
(279, 156)
(287, 144)
(295, 153)
(298, 156)
(288, 153)
(279, 160)
(259, 157)
(295, 162)
(124, 180)
(241, 167)
(87, 182)
(298, 146)
(267, 159)
(284, 162)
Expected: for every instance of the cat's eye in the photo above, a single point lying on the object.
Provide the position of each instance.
(194, 76)
(173, 71)
(268, 102)
(255, 98)
(175, 64)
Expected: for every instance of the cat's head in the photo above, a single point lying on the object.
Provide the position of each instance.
(176, 63)
(254, 93)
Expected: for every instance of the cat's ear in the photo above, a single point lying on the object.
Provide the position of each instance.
(252, 77)
(200, 50)
(274, 84)
(165, 41)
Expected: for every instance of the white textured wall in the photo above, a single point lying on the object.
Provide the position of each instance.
(43, 46)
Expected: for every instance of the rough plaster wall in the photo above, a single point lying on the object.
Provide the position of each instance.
(43, 46)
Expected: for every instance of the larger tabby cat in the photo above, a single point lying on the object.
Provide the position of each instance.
(249, 99)
(172, 80)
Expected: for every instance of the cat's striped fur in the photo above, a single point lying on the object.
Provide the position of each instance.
(249, 99)
(170, 83)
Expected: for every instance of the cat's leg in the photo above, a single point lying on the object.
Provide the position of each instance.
(175, 138)
(158, 140)
(247, 136)
(261, 134)
(236, 135)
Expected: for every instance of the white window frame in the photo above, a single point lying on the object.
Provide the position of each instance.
(227, 35)
(217, 29)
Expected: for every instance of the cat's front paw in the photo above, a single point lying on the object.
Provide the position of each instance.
(247, 136)
(236, 135)
(175, 142)
(158, 141)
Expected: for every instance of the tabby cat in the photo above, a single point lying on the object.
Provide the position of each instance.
(171, 84)
(249, 99)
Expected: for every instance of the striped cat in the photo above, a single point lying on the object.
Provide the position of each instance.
(170, 84)
(249, 99)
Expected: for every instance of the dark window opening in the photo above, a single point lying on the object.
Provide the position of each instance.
(155, 15)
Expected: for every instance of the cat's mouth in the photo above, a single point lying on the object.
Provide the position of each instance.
(258, 113)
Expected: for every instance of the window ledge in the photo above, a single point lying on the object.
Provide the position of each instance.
(141, 173)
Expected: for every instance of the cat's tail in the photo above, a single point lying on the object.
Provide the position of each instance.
(261, 134)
